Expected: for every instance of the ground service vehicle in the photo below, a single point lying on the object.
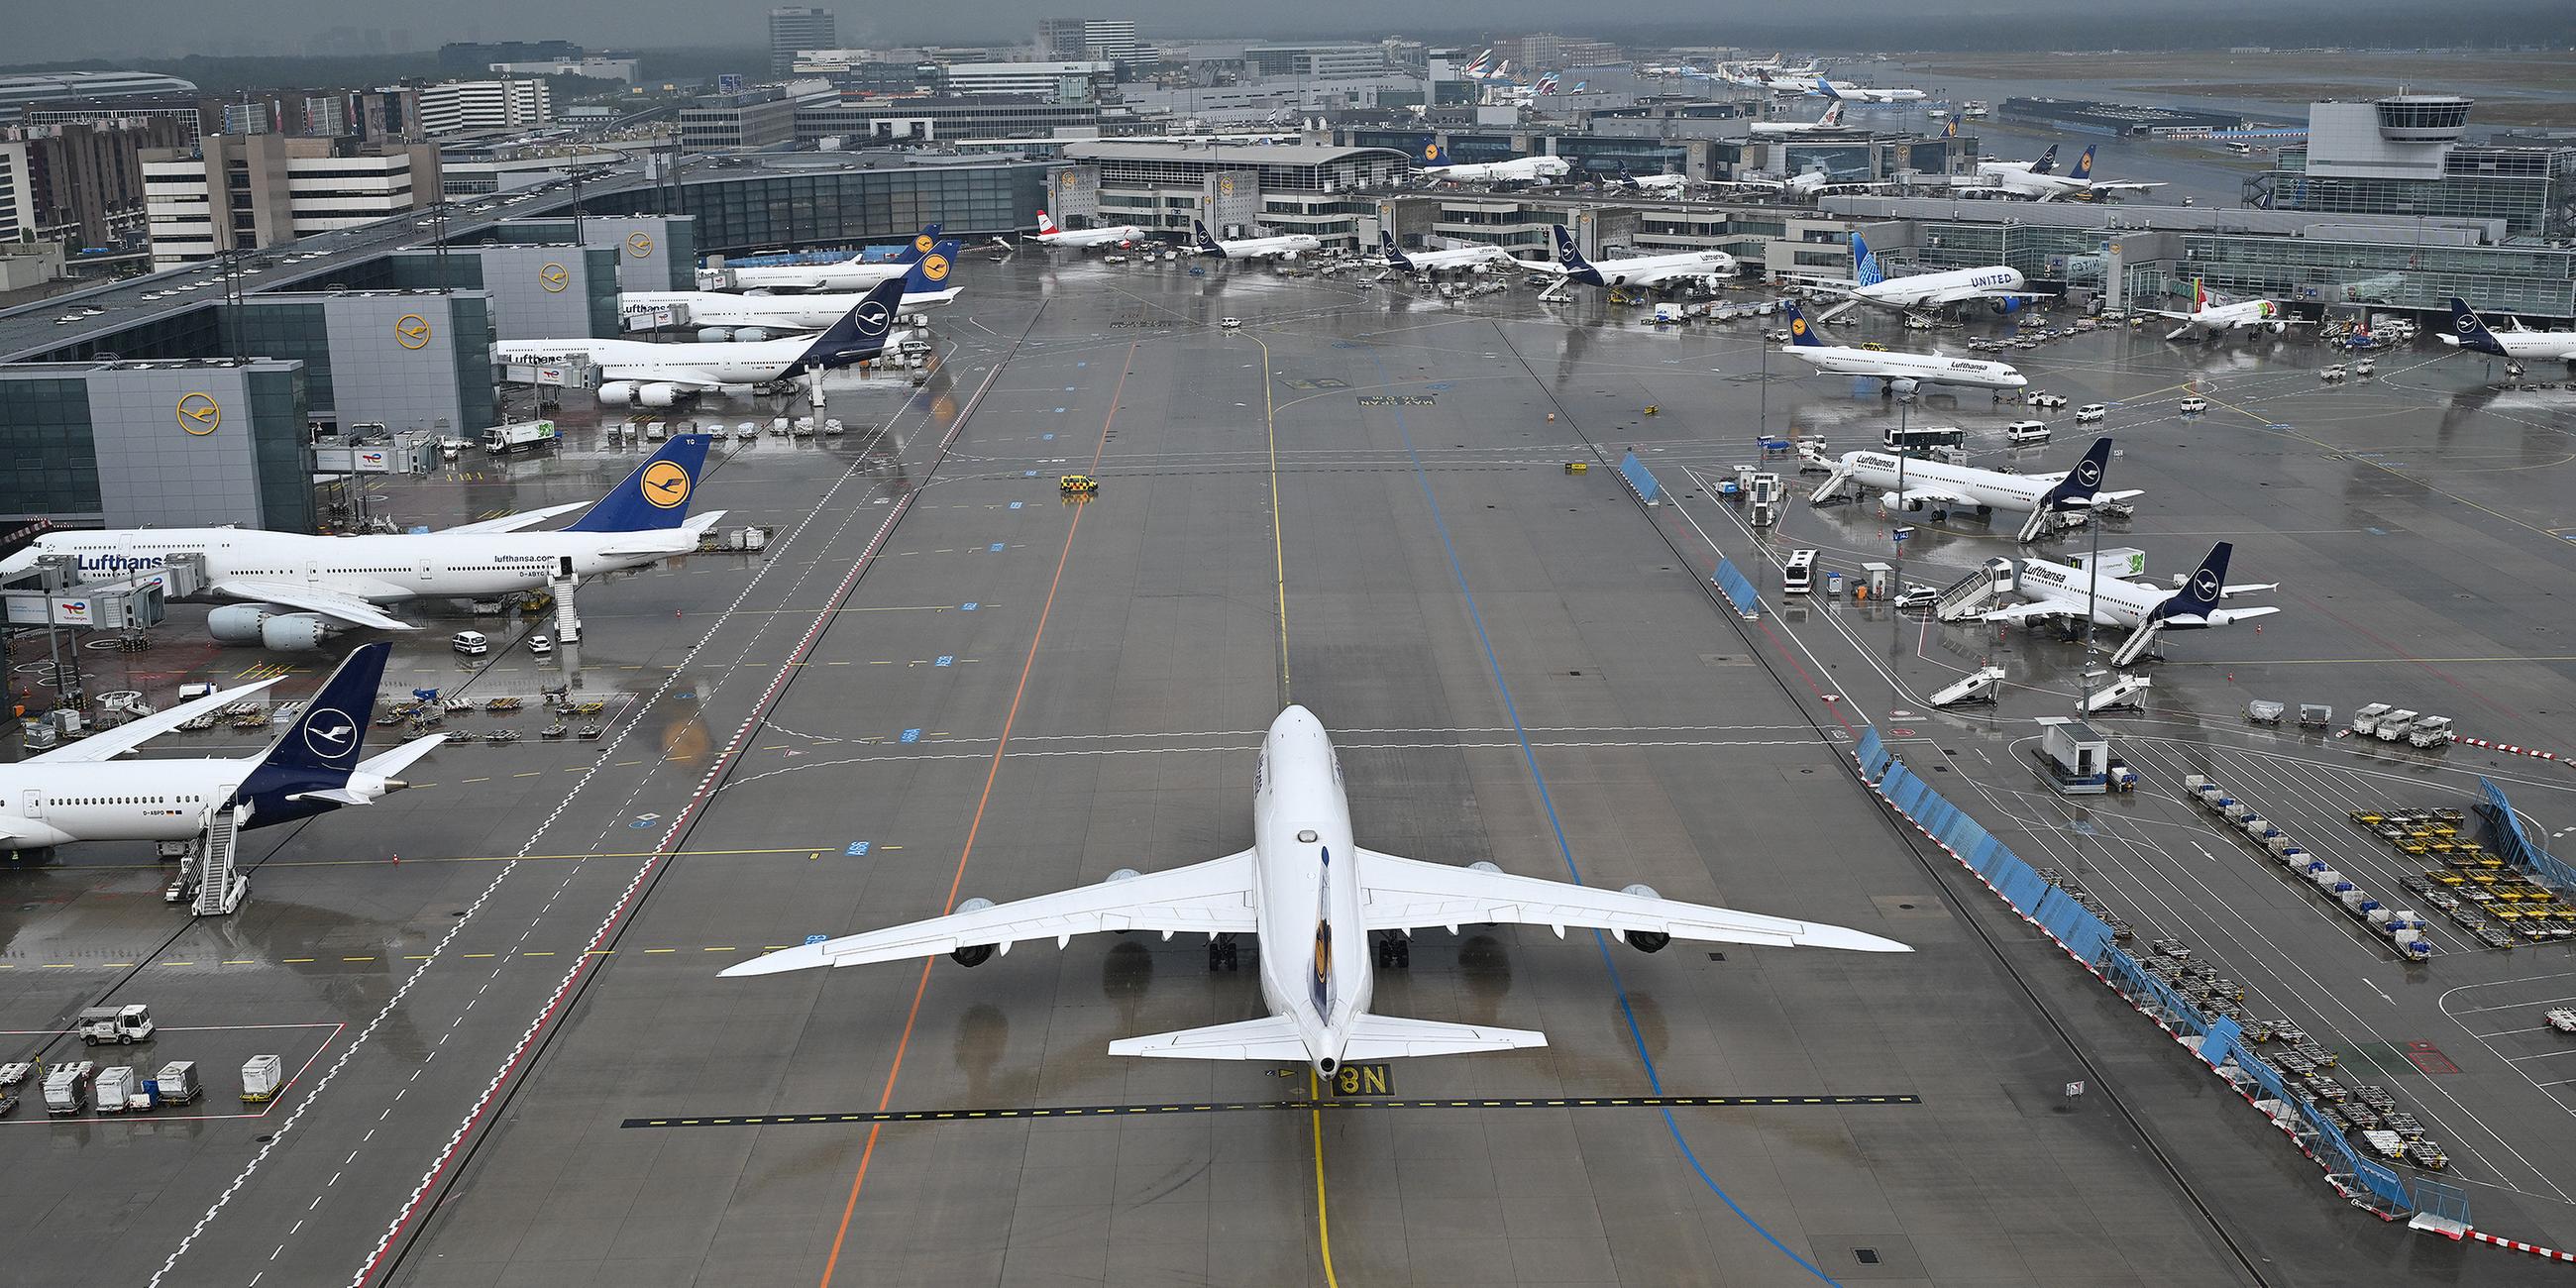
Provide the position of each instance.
(1798, 576)
(123, 1025)
(520, 436)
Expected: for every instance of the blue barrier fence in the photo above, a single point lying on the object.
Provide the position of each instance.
(2515, 846)
(1640, 479)
(1739, 590)
(2088, 939)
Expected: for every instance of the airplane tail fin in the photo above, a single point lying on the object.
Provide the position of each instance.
(2047, 161)
(1801, 332)
(1046, 224)
(1865, 269)
(2470, 329)
(930, 273)
(861, 333)
(922, 242)
(2076, 490)
(2199, 595)
(1394, 253)
(656, 495)
(2199, 295)
(1833, 114)
(1205, 243)
(329, 735)
(1571, 259)
(2083, 164)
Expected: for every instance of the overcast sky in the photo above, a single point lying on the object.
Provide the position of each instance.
(39, 30)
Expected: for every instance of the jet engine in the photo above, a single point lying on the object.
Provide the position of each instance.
(617, 393)
(715, 334)
(973, 954)
(657, 394)
(271, 626)
(1904, 386)
(1897, 501)
(2280, 328)
(749, 335)
(1646, 941)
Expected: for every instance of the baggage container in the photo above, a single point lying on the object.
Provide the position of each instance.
(115, 1085)
(262, 1075)
(176, 1083)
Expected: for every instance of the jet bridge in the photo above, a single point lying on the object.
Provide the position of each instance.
(1982, 685)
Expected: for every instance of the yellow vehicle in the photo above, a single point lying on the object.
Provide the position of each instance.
(2506, 915)
(2367, 817)
(1078, 485)
(2446, 878)
(1578, 467)
(1873, 346)
(2410, 847)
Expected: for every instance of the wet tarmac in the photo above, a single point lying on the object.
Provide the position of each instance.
(942, 680)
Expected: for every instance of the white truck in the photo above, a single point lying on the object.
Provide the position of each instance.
(518, 436)
(123, 1025)
(2562, 1019)
(2365, 722)
(2395, 724)
(2431, 731)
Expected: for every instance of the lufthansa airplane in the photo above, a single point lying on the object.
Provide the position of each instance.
(1314, 898)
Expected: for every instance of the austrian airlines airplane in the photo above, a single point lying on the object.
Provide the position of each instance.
(1086, 238)
(1314, 897)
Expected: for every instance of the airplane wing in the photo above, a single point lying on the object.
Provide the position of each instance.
(1404, 894)
(1911, 495)
(2040, 610)
(312, 599)
(2218, 617)
(1214, 897)
(1372, 1037)
(134, 733)
(2125, 185)
(520, 521)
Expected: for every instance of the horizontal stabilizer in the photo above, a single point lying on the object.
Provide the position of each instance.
(391, 764)
(1396, 1037)
(1272, 1038)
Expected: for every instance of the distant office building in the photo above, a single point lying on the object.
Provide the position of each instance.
(511, 104)
(1089, 39)
(18, 93)
(80, 182)
(240, 192)
(595, 66)
(326, 116)
(466, 58)
(1074, 82)
(17, 194)
(1315, 60)
(754, 118)
(795, 27)
(858, 121)
(2403, 155)
(186, 113)
(249, 118)
(98, 443)
(387, 112)
(1544, 51)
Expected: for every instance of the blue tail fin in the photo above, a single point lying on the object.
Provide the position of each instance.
(330, 735)
(2076, 490)
(1865, 269)
(2083, 164)
(2471, 329)
(930, 272)
(1394, 253)
(656, 495)
(1205, 244)
(859, 335)
(1572, 260)
(2047, 161)
(922, 243)
(1801, 332)
(2202, 591)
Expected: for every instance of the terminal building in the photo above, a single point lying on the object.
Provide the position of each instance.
(170, 444)
(2405, 155)
(1317, 189)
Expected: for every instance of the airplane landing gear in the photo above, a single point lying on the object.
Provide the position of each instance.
(1394, 951)
(1221, 953)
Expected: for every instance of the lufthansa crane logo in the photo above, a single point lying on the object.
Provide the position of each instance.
(639, 243)
(1430, 151)
(921, 243)
(935, 268)
(1797, 326)
(873, 318)
(1225, 187)
(2088, 473)
(200, 414)
(330, 733)
(411, 331)
(554, 277)
(665, 485)
(2463, 324)
(2204, 585)
(1072, 180)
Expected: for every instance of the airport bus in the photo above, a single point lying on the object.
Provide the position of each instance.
(1798, 576)
(1919, 440)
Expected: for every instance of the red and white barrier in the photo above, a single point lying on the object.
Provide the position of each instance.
(2517, 1245)
(2534, 753)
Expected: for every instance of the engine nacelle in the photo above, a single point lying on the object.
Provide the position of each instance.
(1904, 386)
(1484, 865)
(657, 394)
(2280, 328)
(617, 393)
(1289, 256)
(715, 335)
(283, 630)
(973, 954)
(1646, 941)
(1897, 501)
(749, 335)
(1123, 874)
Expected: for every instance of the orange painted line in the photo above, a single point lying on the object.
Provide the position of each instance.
(957, 881)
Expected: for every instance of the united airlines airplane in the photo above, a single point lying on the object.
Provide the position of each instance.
(1314, 898)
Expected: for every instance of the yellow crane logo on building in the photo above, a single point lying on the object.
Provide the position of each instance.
(200, 414)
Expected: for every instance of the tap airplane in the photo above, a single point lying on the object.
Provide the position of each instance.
(853, 274)
(293, 591)
(2469, 331)
(641, 373)
(1315, 898)
(1942, 486)
(1086, 238)
(1286, 246)
(1903, 372)
(2210, 318)
(85, 792)
(750, 319)
(1538, 169)
(1433, 261)
(1709, 266)
(2054, 590)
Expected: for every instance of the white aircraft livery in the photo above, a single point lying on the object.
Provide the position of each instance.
(1314, 898)
(84, 792)
(1433, 261)
(2001, 283)
(1285, 246)
(1903, 372)
(1085, 238)
(1539, 169)
(2469, 331)
(2213, 319)
(2033, 180)
(1645, 270)
(1942, 485)
(302, 589)
(644, 374)
(852, 274)
(2062, 591)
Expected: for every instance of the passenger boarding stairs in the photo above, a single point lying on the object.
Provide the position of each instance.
(1979, 686)
(1975, 593)
(2135, 647)
(219, 888)
(2122, 691)
(1834, 479)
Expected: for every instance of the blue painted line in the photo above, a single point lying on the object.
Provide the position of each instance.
(946, 659)
(2376, 532)
(1015, 505)
(997, 547)
(967, 607)
(1046, 438)
(1059, 411)
(911, 735)
(1028, 474)
(1564, 847)
(857, 849)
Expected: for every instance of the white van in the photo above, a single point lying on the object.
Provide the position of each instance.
(2091, 412)
(2023, 433)
(470, 643)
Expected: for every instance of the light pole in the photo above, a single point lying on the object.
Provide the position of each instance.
(2092, 589)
